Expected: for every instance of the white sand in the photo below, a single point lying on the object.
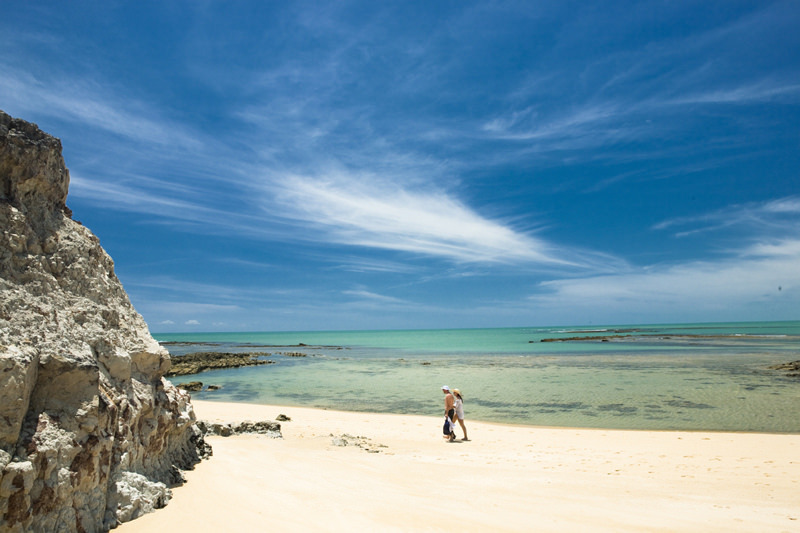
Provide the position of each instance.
(507, 478)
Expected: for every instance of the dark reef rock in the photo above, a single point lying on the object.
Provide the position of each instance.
(192, 386)
(194, 363)
(264, 427)
(792, 368)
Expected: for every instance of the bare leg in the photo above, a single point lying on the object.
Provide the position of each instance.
(463, 428)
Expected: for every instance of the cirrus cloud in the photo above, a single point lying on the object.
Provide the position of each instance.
(375, 214)
(761, 281)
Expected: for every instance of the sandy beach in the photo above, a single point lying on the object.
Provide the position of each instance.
(398, 474)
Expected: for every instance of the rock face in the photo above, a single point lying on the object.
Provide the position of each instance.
(91, 434)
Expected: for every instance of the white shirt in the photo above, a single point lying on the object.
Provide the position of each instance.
(459, 408)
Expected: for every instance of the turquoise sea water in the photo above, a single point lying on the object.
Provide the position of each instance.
(686, 377)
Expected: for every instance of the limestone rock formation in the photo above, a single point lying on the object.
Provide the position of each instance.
(91, 434)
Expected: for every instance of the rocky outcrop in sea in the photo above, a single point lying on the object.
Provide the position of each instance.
(91, 434)
(194, 363)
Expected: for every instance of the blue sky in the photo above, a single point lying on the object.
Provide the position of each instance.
(255, 166)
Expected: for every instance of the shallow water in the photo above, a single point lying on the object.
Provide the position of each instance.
(641, 379)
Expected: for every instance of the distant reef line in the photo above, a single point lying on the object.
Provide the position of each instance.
(657, 336)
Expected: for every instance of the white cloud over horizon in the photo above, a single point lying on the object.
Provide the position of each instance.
(763, 280)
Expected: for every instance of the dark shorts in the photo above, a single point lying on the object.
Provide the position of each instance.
(447, 429)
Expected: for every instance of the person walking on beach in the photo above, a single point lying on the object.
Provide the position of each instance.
(449, 414)
(459, 407)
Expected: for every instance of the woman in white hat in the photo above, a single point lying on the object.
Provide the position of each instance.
(459, 407)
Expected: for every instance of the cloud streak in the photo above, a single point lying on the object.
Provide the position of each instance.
(72, 99)
(779, 217)
(761, 281)
(635, 95)
(372, 213)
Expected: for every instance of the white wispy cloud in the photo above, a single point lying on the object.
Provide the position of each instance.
(761, 281)
(763, 90)
(212, 209)
(176, 307)
(142, 197)
(637, 95)
(368, 264)
(780, 217)
(150, 164)
(790, 204)
(188, 291)
(372, 213)
(372, 297)
(76, 99)
(528, 125)
(761, 277)
(778, 249)
(165, 312)
(611, 119)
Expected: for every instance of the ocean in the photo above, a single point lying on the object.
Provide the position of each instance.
(711, 377)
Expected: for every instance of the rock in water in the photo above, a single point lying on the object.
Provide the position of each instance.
(91, 434)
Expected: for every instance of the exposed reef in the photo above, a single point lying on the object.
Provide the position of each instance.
(269, 428)
(194, 363)
(657, 337)
(792, 369)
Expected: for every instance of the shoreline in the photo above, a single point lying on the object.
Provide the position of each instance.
(286, 407)
(337, 471)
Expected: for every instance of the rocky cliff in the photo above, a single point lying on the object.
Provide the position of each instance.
(91, 434)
